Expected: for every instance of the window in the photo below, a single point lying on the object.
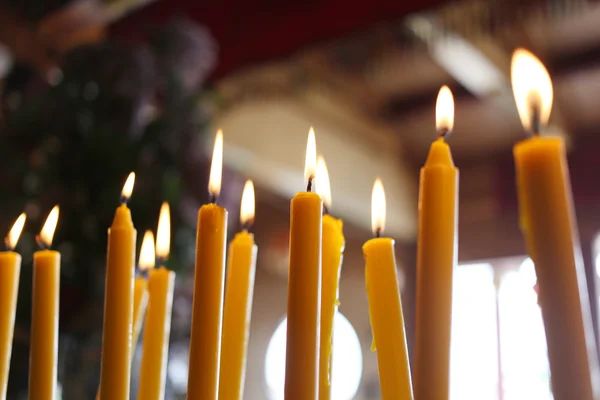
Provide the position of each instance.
(498, 346)
(347, 361)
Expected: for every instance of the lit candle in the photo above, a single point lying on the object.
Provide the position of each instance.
(209, 277)
(304, 287)
(385, 307)
(44, 315)
(436, 258)
(241, 267)
(161, 283)
(548, 222)
(331, 261)
(118, 302)
(140, 287)
(10, 269)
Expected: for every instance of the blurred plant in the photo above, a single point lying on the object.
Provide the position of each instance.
(114, 110)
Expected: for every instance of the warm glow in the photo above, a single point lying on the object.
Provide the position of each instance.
(128, 187)
(310, 165)
(378, 207)
(216, 168)
(49, 227)
(444, 110)
(147, 258)
(163, 233)
(532, 88)
(323, 185)
(247, 208)
(15, 232)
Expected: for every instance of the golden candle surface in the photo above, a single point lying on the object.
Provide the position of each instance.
(387, 320)
(304, 292)
(241, 268)
(118, 308)
(140, 303)
(155, 355)
(44, 325)
(547, 219)
(333, 247)
(207, 306)
(10, 269)
(436, 258)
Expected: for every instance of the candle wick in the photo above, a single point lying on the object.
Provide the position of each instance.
(123, 200)
(213, 198)
(247, 224)
(378, 233)
(310, 183)
(142, 272)
(444, 132)
(325, 210)
(535, 120)
(40, 243)
(7, 246)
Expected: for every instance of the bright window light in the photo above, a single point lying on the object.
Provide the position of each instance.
(347, 361)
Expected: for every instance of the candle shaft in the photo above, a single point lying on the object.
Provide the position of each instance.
(304, 297)
(436, 258)
(207, 306)
(44, 325)
(236, 320)
(10, 269)
(547, 219)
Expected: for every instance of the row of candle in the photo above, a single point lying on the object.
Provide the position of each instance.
(220, 318)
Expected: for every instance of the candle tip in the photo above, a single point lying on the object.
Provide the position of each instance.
(14, 234)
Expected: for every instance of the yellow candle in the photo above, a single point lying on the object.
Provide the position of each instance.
(385, 307)
(209, 276)
(304, 288)
(118, 302)
(140, 290)
(161, 283)
(10, 269)
(44, 315)
(333, 247)
(436, 258)
(241, 267)
(548, 222)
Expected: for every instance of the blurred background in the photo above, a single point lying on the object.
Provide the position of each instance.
(92, 89)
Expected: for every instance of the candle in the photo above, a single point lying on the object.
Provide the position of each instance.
(304, 287)
(209, 277)
(44, 315)
(118, 302)
(10, 269)
(548, 222)
(385, 307)
(436, 258)
(331, 260)
(241, 267)
(161, 283)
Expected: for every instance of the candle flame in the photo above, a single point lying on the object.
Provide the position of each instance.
(323, 183)
(216, 167)
(163, 233)
(47, 233)
(128, 187)
(444, 110)
(378, 207)
(532, 88)
(147, 257)
(248, 204)
(310, 166)
(15, 232)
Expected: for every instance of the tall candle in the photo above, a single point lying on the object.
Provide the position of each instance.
(161, 283)
(140, 289)
(118, 302)
(436, 258)
(10, 269)
(44, 315)
(331, 261)
(385, 307)
(304, 287)
(548, 222)
(241, 268)
(209, 281)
